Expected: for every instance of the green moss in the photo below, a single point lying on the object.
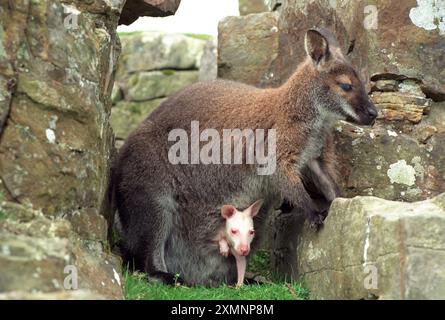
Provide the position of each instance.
(129, 34)
(135, 108)
(168, 72)
(199, 36)
(3, 215)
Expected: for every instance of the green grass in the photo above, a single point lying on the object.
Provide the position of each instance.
(137, 288)
(127, 34)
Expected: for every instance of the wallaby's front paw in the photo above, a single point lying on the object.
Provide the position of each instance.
(316, 219)
(223, 247)
(224, 252)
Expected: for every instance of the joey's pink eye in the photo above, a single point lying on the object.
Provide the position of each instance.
(234, 231)
(252, 232)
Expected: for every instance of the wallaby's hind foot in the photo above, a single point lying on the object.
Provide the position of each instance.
(165, 278)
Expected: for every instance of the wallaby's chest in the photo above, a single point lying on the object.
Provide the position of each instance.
(314, 143)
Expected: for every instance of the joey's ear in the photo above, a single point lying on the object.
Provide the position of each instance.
(255, 208)
(227, 211)
(317, 46)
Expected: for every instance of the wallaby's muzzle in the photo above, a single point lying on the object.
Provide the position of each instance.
(372, 114)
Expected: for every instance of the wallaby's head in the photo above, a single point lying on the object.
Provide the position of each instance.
(239, 226)
(340, 90)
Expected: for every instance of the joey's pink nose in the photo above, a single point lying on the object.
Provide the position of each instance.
(243, 250)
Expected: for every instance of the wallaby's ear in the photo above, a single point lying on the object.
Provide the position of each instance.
(255, 208)
(317, 46)
(227, 211)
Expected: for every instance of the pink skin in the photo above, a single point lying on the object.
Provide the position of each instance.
(237, 235)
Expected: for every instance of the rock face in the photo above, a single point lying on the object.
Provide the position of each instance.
(382, 37)
(148, 51)
(56, 75)
(252, 6)
(371, 248)
(153, 66)
(134, 9)
(398, 49)
(46, 256)
(401, 157)
(248, 47)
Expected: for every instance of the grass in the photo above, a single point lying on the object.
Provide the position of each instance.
(127, 34)
(137, 288)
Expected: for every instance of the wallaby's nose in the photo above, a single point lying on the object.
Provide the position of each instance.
(372, 111)
(243, 250)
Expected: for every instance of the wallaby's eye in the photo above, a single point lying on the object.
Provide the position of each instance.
(234, 231)
(346, 87)
(252, 232)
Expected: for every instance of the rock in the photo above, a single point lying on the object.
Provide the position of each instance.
(252, 6)
(57, 61)
(401, 106)
(144, 86)
(424, 133)
(59, 295)
(39, 255)
(57, 134)
(273, 5)
(117, 94)
(155, 65)
(386, 85)
(148, 51)
(248, 47)
(371, 248)
(208, 69)
(366, 155)
(134, 9)
(126, 116)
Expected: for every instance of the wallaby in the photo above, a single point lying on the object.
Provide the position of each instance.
(169, 213)
(237, 234)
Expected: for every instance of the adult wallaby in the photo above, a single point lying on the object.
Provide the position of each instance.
(169, 213)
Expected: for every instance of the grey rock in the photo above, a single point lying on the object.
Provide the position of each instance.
(372, 248)
(145, 86)
(208, 69)
(148, 51)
